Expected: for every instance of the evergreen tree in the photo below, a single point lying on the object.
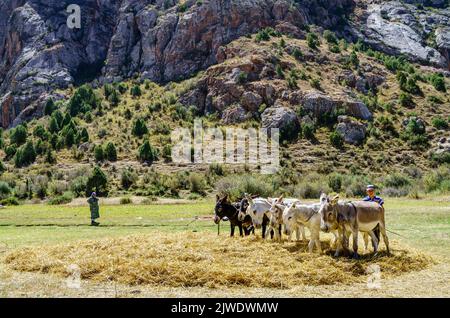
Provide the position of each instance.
(84, 135)
(139, 128)
(147, 153)
(53, 126)
(26, 155)
(70, 137)
(97, 182)
(18, 135)
(110, 152)
(49, 107)
(99, 154)
(59, 118)
(50, 157)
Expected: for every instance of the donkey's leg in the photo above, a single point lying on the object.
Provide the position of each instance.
(302, 232)
(340, 242)
(240, 229)
(232, 229)
(366, 242)
(374, 242)
(264, 226)
(385, 238)
(316, 235)
(355, 243)
(311, 245)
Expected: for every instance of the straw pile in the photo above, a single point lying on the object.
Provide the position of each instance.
(204, 259)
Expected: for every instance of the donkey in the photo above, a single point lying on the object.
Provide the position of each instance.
(258, 210)
(307, 215)
(352, 217)
(276, 218)
(226, 210)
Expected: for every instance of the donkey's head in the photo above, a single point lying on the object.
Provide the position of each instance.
(220, 208)
(276, 211)
(288, 219)
(328, 214)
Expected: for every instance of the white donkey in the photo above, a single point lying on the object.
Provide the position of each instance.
(276, 219)
(307, 215)
(258, 209)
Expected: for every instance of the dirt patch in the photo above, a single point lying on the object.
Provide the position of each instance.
(205, 260)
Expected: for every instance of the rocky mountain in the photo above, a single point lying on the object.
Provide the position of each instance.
(168, 40)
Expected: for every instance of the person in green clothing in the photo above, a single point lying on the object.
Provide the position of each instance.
(93, 206)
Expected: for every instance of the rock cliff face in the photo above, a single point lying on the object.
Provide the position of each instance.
(408, 28)
(162, 40)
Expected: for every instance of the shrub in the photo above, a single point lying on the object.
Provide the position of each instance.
(5, 190)
(146, 153)
(397, 180)
(53, 126)
(336, 139)
(99, 154)
(50, 157)
(114, 98)
(83, 100)
(135, 91)
(10, 201)
(167, 153)
(10, 151)
(235, 187)
(335, 182)
(242, 78)
(18, 135)
(297, 54)
(128, 178)
(439, 123)
(308, 131)
(315, 83)
(78, 185)
(438, 81)
(110, 152)
(97, 181)
(139, 128)
(65, 198)
(312, 40)
(49, 107)
(330, 37)
(406, 100)
(126, 200)
(279, 71)
(25, 155)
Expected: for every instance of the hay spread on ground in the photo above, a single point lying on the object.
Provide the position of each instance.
(203, 259)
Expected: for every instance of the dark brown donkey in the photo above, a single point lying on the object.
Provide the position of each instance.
(224, 209)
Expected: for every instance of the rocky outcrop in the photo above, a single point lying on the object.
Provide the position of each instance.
(401, 28)
(317, 104)
(283, 118)
(352, 131)
(157, 39)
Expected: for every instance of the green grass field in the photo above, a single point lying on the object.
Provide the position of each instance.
(424, 224)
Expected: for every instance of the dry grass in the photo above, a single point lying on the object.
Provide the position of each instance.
(205, 260)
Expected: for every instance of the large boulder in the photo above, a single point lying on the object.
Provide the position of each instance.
(283, 118)
(352, 131)
(234, 115)
(318, 103)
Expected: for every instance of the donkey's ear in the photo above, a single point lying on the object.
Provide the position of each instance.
(280, 199)
(335, 199)
(217, 197)
(225, 198)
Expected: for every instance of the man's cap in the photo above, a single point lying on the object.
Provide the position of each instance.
(93, 193)
(370, 187)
